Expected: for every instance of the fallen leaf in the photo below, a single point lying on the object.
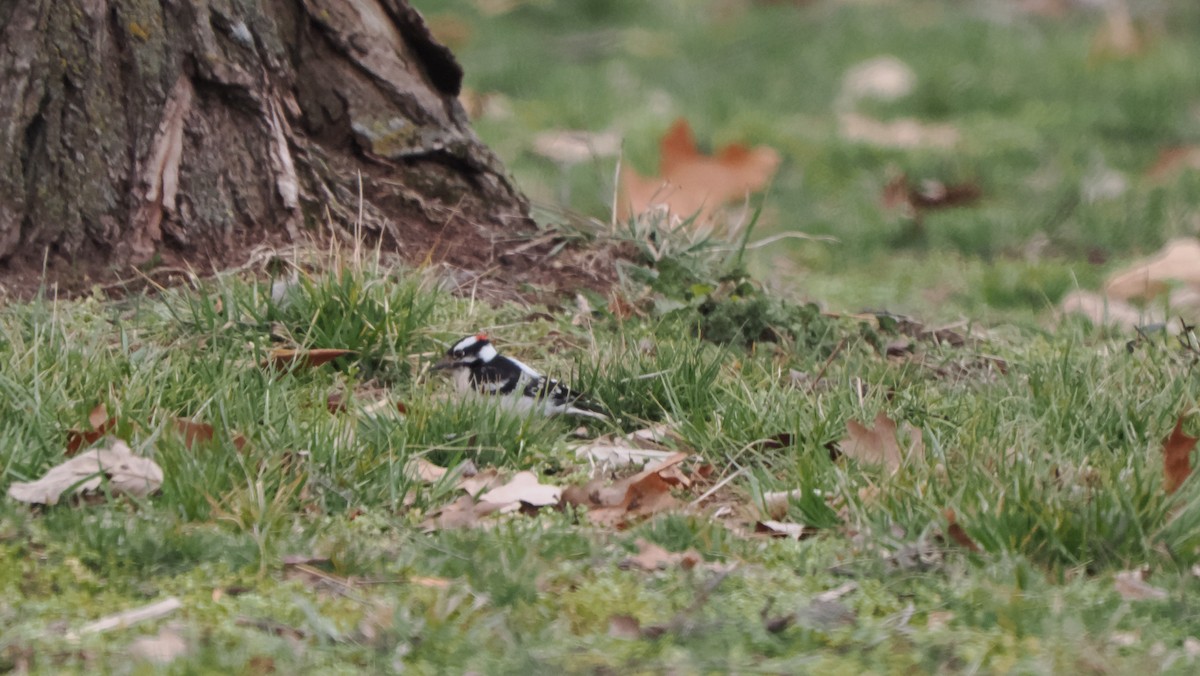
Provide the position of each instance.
(957, 533)
(283, 358)
(101, 424)
(1178, 261)
(522, 489)
(1132, 586)
(1177, 457)
(425, 471)
(480, 481)
(126, 473)
(634, 497)
(878, 445)
(694, 184)
(458, 514)
(162, 648)
(651, 557)
(782, 529)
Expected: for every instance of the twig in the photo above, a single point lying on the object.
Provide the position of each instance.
(131, 617)
(821, 374)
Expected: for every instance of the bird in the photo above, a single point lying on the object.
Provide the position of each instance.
(479, 368)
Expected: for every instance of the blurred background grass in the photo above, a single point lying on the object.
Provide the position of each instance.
(1057, 127)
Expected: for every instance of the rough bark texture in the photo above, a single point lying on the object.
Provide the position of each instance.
(133, 130)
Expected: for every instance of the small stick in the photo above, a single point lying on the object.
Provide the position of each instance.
(131, 617)
(821, 374)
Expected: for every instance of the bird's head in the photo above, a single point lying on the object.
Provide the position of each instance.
(467, 352)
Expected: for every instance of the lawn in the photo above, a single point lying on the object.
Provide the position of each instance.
(1030, 529)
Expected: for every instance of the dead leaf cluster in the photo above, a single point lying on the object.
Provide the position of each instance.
(484, 494)
(620, 503)
(1175, 270)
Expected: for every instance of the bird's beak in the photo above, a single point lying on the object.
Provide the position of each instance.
(444, 364)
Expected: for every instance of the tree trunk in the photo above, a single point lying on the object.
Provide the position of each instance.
(133, 131)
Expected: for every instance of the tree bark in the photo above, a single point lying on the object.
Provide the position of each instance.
(189, 130)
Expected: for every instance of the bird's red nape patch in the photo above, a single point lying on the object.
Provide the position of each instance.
(481, 336)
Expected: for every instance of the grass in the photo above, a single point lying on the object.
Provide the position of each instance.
(1042, 119)
(1054, 469)
(1051, 464)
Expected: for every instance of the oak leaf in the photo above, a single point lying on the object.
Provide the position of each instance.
(878, 445)
(694, 184)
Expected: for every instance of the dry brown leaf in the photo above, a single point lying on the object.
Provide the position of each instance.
(480, 482)
(878, 445)
(458, 514)
(782, 529)
(1178, 261)
(282, 357)
(956, 532)
(101, 425)
(645, 497)
(1177, 457)
(522, 489)
(425, 471)
(1132, 586)
(126, 473)
(694, 184)
(651, 557)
